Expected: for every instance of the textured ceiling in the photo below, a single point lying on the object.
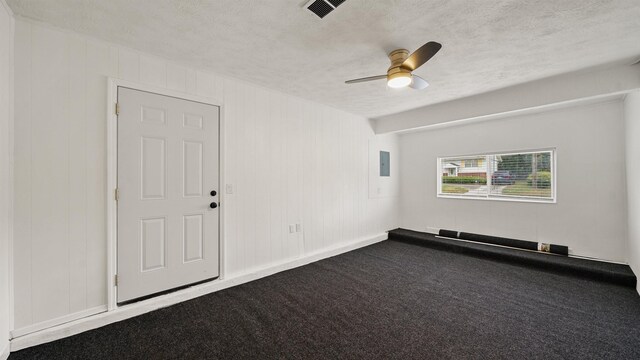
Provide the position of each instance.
(487, 44)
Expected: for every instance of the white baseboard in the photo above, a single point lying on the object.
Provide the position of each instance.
(432, 230)
(124, 312)
(636, 273)
(57, 321)
(4, 353)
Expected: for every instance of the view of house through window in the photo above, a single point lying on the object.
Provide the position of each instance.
(523, 175)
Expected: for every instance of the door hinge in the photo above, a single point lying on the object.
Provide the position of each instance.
(115, 280)
(117, 194)
(117, 109)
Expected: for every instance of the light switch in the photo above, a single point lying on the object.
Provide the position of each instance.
(229, 189)
(298, 227)
(292, 228)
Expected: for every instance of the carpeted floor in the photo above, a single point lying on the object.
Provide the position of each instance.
(391, 300)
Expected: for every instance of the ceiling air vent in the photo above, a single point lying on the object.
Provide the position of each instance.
(335, 3)
(323, 7)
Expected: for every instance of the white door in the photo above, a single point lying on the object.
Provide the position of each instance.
(168, 180)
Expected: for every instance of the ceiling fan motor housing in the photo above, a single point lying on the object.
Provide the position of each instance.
(397, 57)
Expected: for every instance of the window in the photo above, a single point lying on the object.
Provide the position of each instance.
(513, 176)
(471, 163)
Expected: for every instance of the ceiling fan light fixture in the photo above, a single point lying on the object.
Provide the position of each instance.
(402, 65)
(399, 80)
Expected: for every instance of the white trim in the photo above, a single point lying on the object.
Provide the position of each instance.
(506, 152)
(57, 321)
(112, 171)
(112, 181)
(222, 194)
(4, 354)
(7, 8)
(114, 83)
(506, 114)
(597, 259)
(139, 308)
(11, 137)
(512, 198)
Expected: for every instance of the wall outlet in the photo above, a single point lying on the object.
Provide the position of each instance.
(229, 189)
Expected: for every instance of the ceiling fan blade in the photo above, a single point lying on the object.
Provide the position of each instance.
(421, 55)
(370, 78)
(418, 83)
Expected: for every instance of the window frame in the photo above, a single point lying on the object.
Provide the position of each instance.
(489, 196)
(474, 161)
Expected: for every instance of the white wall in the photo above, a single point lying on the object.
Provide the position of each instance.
(632, 131)
(384, 186)
(590, 215)
(6, 113)
(289, 160)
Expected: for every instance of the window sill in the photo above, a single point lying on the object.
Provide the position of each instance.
(523, 199)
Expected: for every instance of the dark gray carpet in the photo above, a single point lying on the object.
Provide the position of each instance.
(392, 300)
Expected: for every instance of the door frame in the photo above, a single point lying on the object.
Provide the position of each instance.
(112, 175)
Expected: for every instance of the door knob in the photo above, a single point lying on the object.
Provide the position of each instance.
(213, 193)
(213, 205)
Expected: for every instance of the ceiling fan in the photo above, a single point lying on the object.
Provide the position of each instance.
(402, 64)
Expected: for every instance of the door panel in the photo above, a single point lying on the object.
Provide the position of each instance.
(153, 175)
(168, 163)
(153, 243)
(192, 169)
(192, 237)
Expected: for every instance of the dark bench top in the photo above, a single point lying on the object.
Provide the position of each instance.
(592, 269)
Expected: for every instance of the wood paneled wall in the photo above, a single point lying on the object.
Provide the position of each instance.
(289, 161)
(6, 114)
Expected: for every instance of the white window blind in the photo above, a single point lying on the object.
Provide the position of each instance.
(525, 176)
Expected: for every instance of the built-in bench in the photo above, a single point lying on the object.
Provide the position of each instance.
(597, 270)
